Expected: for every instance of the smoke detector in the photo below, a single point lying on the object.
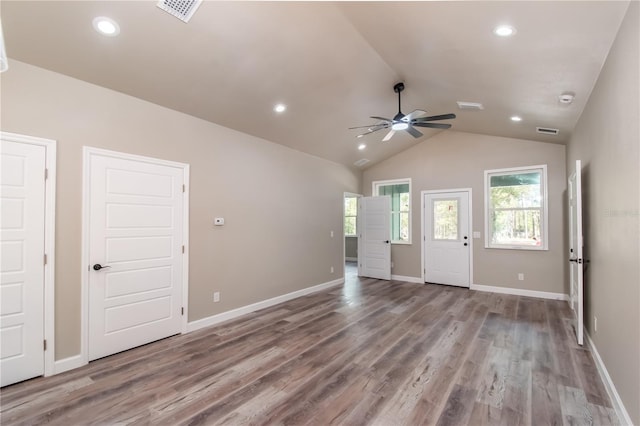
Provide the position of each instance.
(181, 9)
(566, 98)
(470, 105)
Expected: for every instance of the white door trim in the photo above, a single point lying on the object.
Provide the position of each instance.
(423, 227)
(49, 241)
(87, 152)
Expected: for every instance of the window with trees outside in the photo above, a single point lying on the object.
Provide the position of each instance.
(516, 210)
(350, 216)
(400, 192)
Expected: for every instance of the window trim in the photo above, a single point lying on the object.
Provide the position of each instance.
(542, 168)
(374, 191)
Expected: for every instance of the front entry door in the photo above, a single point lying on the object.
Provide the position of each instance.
(576, 260)
(136, 219)
(374, 237)
(22, 235)
(447, 242)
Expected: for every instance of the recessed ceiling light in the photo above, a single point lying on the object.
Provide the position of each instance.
(516, 118)
(362, 146)
(280, 108)
(504, 30)
(106, 26)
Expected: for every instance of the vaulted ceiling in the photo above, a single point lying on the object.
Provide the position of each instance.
(333, 64)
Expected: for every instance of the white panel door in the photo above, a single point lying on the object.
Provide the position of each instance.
(446, 240)
(135, 253)
(576, 260)
(22, 220)
(374, 239)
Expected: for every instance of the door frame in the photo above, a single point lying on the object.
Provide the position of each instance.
(578, 255)
(469, 192)
(87, 153)
(49, 241)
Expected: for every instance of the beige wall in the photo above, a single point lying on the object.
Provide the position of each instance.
(607, 140)
(457, 160)
(268, 194)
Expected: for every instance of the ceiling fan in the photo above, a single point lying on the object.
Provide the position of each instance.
(405, 122)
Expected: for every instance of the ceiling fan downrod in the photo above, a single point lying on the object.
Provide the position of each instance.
(398, 88)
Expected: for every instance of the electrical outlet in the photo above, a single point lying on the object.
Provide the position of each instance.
(520, 276)
(331, 233)
(216, 296)
(595, 324)
(391, 265)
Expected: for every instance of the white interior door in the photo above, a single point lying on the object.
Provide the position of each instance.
(447, 243)
(135, 252)
(22, 222)
(576, 258)
(374, 237)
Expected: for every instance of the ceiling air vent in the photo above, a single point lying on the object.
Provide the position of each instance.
(547, 131)
(361, 162)
(181, 9)
(470, 105)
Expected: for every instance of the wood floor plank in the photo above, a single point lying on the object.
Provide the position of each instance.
(368, 352)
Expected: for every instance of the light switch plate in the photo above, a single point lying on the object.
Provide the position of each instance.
(476, 235)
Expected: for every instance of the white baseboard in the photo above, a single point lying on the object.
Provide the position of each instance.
(66, 364)
(351, 259)
(234, 313)
(416, 280)
(621, 411)
(521, 292)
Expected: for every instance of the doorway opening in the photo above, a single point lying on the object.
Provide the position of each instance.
(350, 234)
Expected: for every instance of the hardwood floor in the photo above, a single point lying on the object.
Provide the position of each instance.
(368, 352)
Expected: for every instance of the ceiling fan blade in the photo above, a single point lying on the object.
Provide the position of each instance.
(389, 135)
(436, 117)
(370, 131)
(413, 115)
(432, 125)
(382, 118)
(381, 125)
(414, 132)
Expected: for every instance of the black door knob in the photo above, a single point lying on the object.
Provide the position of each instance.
(387, 241)
(465, 244)
(98, 266)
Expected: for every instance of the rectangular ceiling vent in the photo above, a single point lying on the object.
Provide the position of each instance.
(547, 131)
(470, 105)
(361, 162)
(181, 9)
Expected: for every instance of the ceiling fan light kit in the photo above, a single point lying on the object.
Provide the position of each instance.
(407, 122)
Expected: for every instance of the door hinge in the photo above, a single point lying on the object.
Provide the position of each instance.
(46, 174)
(183, 249)
(44, 344)
(181, 311)
(45, 259)
(183, 188)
